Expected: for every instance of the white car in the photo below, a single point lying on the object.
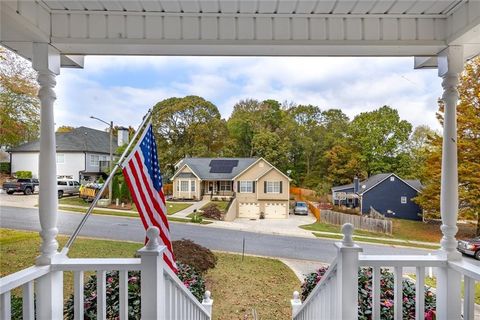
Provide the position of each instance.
(67, 186)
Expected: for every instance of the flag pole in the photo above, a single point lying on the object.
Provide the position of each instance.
(74, 235)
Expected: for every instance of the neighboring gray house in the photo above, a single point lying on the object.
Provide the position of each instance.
(82, 154)
(387, 193)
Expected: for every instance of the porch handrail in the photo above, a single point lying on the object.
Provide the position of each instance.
(311, 299)
(82, 264)
(466, 268)
(22, 277)
(401, 261)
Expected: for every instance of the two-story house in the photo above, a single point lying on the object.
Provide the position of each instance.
(82, 154)
(258, 187)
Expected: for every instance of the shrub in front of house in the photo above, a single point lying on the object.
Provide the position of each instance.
(386, 295)
(212, 212)
(23, 174)
(191, 278)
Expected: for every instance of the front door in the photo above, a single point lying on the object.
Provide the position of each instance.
(210, 187)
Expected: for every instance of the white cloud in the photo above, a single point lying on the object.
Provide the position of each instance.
(352, 84)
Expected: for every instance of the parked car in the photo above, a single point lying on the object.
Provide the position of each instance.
(67, 186)
(300, 208)
(470, 247)
(27, 186)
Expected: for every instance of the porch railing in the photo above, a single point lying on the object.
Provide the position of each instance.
(336, 295)
(163, 295)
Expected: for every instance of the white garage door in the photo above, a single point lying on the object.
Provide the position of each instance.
(275, 210)
(248, 210)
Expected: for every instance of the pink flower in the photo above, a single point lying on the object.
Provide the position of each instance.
(109, 279)
(430, 315)
(405, 299)
(388, 303)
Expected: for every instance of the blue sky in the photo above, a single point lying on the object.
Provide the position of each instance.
(122, 89)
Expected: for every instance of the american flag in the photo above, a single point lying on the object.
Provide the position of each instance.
(142, 173)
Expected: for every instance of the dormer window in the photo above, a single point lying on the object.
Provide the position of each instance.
(392, 178)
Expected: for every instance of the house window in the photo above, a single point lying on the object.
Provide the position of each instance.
(192, 185)
(94, 160)
(60, 158)
(225, 186)
(246, 186)
(392, 178)
(403, 200)
(273, 186)
(184, 186)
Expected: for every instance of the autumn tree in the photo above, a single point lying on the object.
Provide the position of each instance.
(64, 129)
(189, 126)
(19, 106)
(468, 124)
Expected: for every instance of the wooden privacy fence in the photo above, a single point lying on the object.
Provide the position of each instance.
(359, 222)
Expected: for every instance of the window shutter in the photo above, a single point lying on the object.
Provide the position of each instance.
(253, 186)
(281, 182)
(265, 186)
(238, 186)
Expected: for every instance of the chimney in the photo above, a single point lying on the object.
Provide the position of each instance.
(355, 184)
(122, 133)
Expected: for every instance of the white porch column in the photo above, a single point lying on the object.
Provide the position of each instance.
(46, 61)
(450, 64)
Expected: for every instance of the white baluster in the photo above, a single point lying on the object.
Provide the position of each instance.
(101, 295)
(376, 290)
(296, 303)
(78, 295)
(420, 293)
(347, 275)
(123, 294)
(469, 298)
(5, 306)
(398, 293)
(153, 290)
(28, 303)
(208, 302)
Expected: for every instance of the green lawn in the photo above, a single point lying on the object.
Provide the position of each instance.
(221, 205)
(432, 282)
(402, 229)
(172, 207)
(237, 286)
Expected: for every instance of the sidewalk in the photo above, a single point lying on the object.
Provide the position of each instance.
(195, 205)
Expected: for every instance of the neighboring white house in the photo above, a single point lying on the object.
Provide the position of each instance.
(82, 154)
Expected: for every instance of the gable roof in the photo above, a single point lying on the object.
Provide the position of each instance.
(81, 139)
(376, 179)
(273, 168)
(201, 167)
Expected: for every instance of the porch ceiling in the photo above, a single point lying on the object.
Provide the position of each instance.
(242, 27)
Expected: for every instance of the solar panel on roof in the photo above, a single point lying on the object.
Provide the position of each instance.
(222, 166)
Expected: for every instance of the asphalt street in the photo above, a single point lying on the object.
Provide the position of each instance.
(118, 228)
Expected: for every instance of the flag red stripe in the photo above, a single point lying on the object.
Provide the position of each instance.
(165, 240)
(130, 186)
(147, 186)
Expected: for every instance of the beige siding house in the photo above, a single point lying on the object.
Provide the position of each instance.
(253, 185)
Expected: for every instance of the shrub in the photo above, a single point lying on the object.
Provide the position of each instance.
(4, 167)
(386, 295)
(192, 280)
(188, 252)
(196, 218)
(212, 212)
(23, 174)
